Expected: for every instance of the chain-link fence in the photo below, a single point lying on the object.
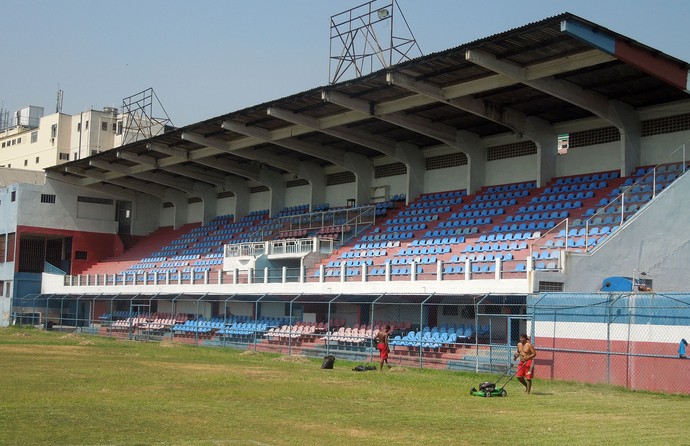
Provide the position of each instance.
(629, 340)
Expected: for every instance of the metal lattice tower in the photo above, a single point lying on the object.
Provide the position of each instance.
(138, 121)
(367, 38)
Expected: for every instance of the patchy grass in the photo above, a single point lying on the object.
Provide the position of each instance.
(89, 390)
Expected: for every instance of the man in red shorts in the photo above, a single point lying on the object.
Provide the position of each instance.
(382, 339)
(525, 370)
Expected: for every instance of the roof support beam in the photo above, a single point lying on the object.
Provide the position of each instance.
(119, 168)
(265, 156)
(355, 163)
(271, 179)
(308, 148)
(177, 152)
(466, 142)
(512, 119)
(618, 114)
(441, 132)
(307, 170)
(139, 159)
(408, 154)
(594, 102)
(383, 145)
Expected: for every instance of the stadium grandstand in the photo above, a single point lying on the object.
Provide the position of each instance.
(530, 181)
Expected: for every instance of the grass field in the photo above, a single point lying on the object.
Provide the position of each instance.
(68, 389)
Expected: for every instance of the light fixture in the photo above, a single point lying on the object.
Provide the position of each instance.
(383, 13)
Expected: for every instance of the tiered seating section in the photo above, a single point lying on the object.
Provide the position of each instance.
(499, 222)
(197, 250)
(497, 228)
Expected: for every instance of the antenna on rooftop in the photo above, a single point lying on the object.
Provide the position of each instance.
(367, 38)
(58, 104)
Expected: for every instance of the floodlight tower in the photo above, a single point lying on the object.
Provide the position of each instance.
(138, 121)
(366, 38)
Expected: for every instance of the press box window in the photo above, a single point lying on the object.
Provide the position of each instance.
(104, 126)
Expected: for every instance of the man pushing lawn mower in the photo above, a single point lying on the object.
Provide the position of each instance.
(525, 369)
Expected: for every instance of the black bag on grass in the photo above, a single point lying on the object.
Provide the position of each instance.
(328, 362)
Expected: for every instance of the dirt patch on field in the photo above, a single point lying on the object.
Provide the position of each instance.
(86, 343)
(168, 344)
(44, 350)
(22, 334)
(295, 359)
(249, 353)
(398, 370)
(70, 336)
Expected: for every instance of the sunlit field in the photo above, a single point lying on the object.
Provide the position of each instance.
(72, 389)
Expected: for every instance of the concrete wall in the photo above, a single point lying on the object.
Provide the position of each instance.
(63, 214)
(511, 170)
(597, 158)
(440, 180)
(295, 196)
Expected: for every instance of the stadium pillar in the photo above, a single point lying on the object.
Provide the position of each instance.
(472, 145)
(317, 181)
(240, 188)
(362, 168)
(630, 129)
(546, 139)
(414, 160)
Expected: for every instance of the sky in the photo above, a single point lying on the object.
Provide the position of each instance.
(205, 58)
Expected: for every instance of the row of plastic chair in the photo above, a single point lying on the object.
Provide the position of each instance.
(437, 241)
(489, 204)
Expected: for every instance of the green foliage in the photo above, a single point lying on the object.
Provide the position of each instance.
(68, 389)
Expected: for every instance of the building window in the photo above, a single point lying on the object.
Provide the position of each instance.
(79, 126)
(48, 198)
(104, 126)
(3, 145)
(13, 196)
(551, 286)
(80, 255)
(14, 141)
(64, 156)
(19, 140)
(563, 143)
(34, 137)
(119, 128)
(36, 160)
(94, 152)
(114, 127)
(26, 162)
(75, 156)
(53, 131)
(87, 125)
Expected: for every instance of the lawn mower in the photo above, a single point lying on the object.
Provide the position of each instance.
(489, 389)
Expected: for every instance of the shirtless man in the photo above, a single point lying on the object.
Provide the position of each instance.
(526, 353)
(382, 339)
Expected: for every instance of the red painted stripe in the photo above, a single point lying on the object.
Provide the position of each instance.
(633, 372)
(656, 65)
